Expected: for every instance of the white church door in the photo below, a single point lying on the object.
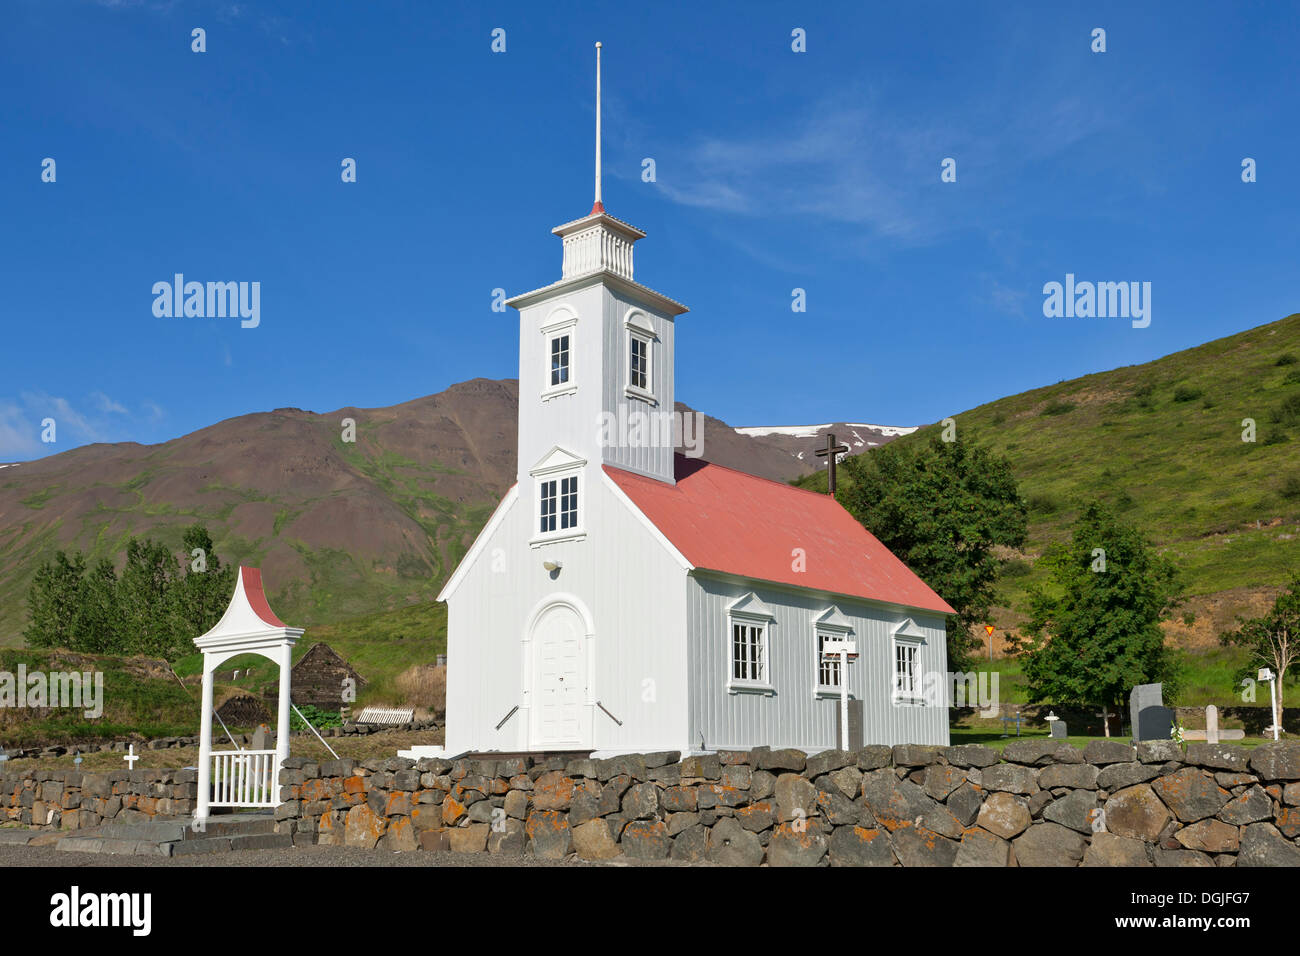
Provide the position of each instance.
(558, 685)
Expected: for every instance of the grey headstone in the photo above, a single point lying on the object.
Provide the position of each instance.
(1150, 718)
(263, 739)
(1211, 724)
(855, 725)
(1059, 729)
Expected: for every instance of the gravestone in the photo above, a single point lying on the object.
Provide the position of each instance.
(1212, 724)
(263, 739)
(1057, 726)
(1150, 718)
(855, 725)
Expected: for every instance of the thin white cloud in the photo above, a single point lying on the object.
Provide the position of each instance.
(44, 406)
(19, 433)
(853, 159)
(107, 404)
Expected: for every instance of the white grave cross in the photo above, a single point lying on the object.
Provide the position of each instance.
(1267, 675)
(131, 757)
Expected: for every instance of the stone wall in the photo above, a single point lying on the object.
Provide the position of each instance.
(71, 800)
(1041, 803)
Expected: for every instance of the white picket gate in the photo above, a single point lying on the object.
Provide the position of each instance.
(244, 778)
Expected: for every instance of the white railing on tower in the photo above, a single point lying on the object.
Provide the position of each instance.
(244, 778)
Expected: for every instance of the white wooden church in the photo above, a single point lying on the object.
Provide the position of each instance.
(624, 598)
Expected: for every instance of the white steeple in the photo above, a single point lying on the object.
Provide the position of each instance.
(595, 348)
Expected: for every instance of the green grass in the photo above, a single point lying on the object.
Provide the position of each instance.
(132, 704)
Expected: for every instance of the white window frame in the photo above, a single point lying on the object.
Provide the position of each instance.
(639, 328)
(562, 322)
(908, 639)
(830, 625)
(557, 466)
(750, 612)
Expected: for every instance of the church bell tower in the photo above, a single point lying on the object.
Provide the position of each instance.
(595, 369)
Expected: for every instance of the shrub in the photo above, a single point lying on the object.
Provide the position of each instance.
(320, 719)
(1043, 504)
(1186, 393)
(1291, 487)
(1286, 358)
(1057, 407)
(1292, 377)
(1288, 411)
(1016, 568)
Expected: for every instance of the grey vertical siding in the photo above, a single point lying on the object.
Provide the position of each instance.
(656, 460)
(794, 716)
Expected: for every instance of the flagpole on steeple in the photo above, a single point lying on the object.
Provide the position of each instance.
(598, 206)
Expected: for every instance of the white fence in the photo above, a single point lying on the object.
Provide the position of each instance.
(244, 778)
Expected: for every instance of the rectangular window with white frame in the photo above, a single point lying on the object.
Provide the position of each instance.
(640, 356)
(559, 361)
(560, 337)
(748, 652)
(558, 504)
(907, 683)
(828, 666)
(639, 363)
(749, 629)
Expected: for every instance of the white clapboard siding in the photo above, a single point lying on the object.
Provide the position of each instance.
(635, 594)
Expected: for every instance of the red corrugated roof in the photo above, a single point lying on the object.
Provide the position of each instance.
(725, 520)
(257, 597)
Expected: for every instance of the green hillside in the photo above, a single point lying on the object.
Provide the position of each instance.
(1161, 443)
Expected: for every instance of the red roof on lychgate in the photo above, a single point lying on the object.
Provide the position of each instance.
(252, 578)
(725, 520)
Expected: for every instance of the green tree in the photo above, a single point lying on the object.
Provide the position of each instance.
(942, 508)
(98, 624)
(147, 593)
(203, 594)
(53, 601)
(1272, 640)
(1094, 630)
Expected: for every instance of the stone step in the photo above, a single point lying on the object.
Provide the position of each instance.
(236, 825)
(156, 831)
(176, 836)
(89, 844)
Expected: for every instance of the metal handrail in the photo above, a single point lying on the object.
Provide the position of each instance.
(507, 716)
(311, 728)
(611, 716)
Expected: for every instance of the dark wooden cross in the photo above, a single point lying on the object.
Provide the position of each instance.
(829, 453)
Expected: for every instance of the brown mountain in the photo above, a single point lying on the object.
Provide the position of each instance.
(340, 528)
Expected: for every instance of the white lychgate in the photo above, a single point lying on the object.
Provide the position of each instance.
(244, 778)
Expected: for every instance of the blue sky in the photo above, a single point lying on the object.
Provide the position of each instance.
(775, 170)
